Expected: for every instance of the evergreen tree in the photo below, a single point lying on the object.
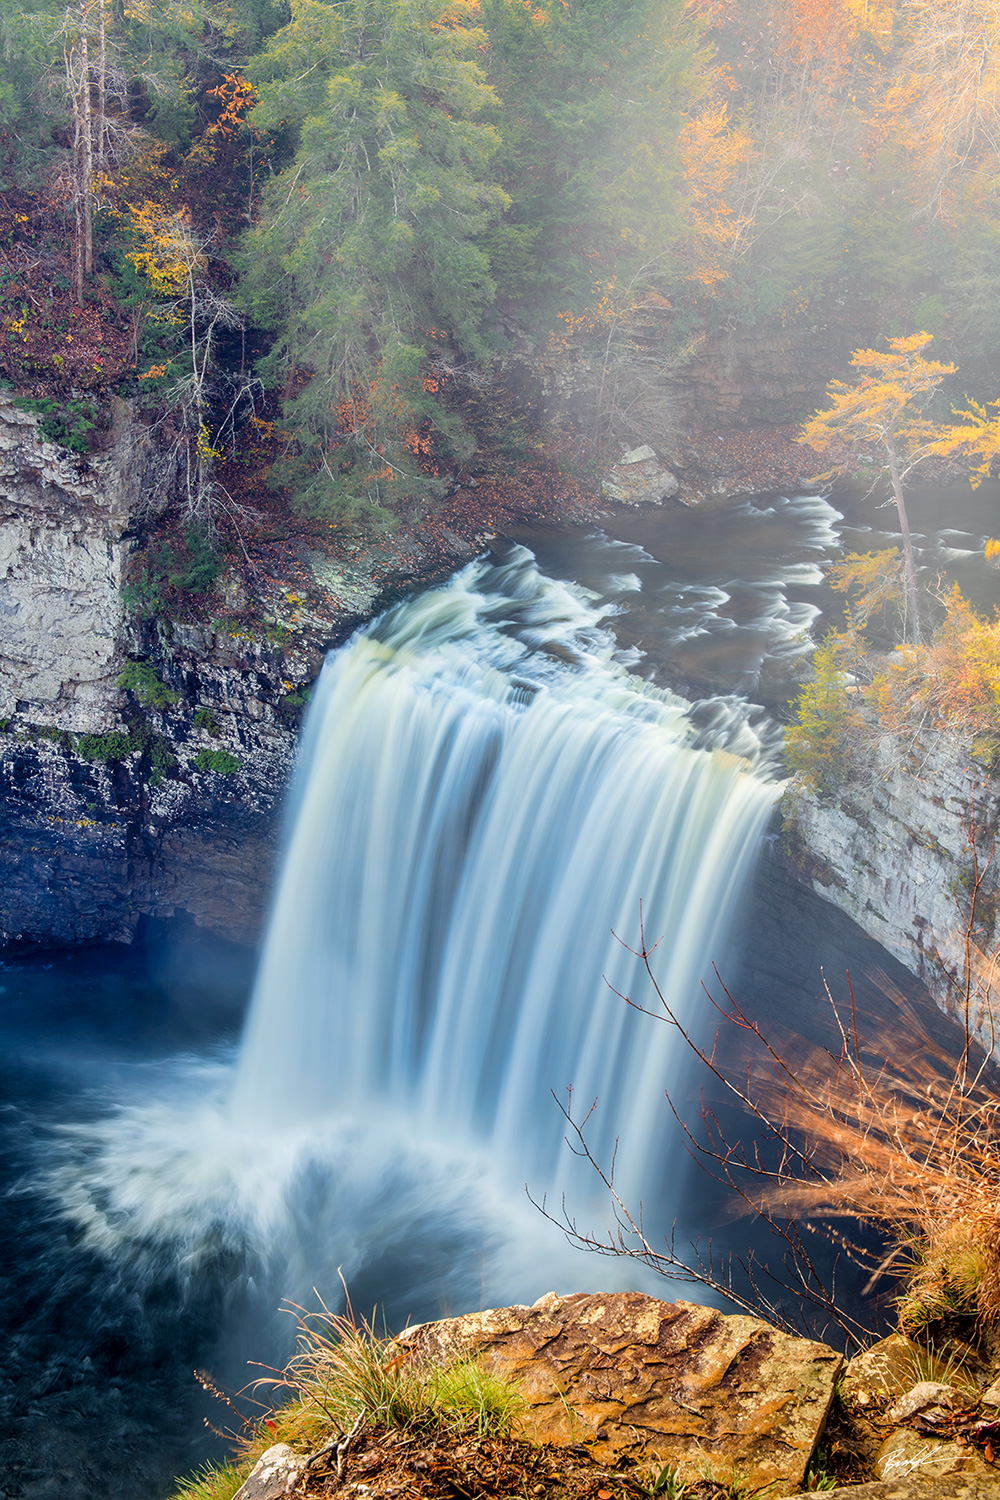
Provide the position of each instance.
(367, 260)
(591, 97)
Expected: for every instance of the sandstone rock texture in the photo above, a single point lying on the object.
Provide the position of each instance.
(897, 858)
(639, 478)
(917, 1486)
(727, 1397)
(274, 1474)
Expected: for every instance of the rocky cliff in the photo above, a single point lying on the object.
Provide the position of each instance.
(900, 856)
(143, 764)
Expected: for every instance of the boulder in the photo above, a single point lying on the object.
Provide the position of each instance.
(905, 1452)
(916, 1487)
(276, 1473)
(877, 1377)
(925, 1397)
(638, 478)
(664, 1382)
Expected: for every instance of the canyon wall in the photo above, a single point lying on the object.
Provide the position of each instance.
(162, 796)
(900, 854)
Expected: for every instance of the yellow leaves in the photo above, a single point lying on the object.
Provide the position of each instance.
(598, 316)
(206, 453)
(976, 436)
(874, 409)
(714, 156)
(171, 253)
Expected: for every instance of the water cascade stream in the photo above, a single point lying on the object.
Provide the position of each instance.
(485, 798)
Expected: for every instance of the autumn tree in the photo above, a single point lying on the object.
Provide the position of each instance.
(947, 95)
(875, 425)
(174, 258)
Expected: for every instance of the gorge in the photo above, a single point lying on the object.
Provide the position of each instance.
(520, 735)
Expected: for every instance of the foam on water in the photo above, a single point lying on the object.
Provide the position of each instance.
(484, 797)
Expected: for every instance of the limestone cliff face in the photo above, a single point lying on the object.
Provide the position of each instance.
(63, 528)
(157, 800)
(898, 859)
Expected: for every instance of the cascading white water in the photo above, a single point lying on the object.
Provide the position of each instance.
(484, 798)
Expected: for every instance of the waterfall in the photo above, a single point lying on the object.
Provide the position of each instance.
(484, 797)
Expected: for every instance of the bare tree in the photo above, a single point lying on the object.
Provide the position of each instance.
(844, 1139)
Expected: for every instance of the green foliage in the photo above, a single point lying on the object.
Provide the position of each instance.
(196, 569)
(590, 99)
(140, 678)
(367, 259)
(50, 732)
(142, 597)
(944, 1283)
(192, 568)
(818, 1476)
(213, 1482)
(29, 49)
(467, 1392)
(667, 1483)
(205, 719)
(115, 745)
(219, 761)
(820, 744)
(68, 423)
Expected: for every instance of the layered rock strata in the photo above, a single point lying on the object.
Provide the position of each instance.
(900, 857)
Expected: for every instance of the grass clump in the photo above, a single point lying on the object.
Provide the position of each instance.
(345, 1380)
(213, 1483)
(343, 1373)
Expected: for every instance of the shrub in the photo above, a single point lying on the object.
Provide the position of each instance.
(822, 742)
(139, 678)
(345, 1379)
(106, 747)
(68, 423)
(219, 761)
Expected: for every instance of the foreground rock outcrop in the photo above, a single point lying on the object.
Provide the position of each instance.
(675, 1383)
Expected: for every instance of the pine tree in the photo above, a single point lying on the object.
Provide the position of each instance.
(367, 258)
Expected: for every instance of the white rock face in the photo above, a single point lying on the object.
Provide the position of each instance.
(897, 858)
(62, 551)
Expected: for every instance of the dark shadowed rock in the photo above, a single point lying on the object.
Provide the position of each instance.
(672, 1382)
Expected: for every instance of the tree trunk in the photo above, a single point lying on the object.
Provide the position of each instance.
(909, 565)
(88, 157)
(102, 89)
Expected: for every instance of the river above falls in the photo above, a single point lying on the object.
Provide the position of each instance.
(150, 1231)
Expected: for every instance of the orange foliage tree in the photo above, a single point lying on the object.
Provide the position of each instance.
(875, 426)
(715, 157)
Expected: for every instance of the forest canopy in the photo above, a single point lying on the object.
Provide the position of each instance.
(390, 196)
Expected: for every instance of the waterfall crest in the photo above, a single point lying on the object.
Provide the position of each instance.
(485, 796)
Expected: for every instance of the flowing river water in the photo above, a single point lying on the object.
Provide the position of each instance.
(493, 777)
